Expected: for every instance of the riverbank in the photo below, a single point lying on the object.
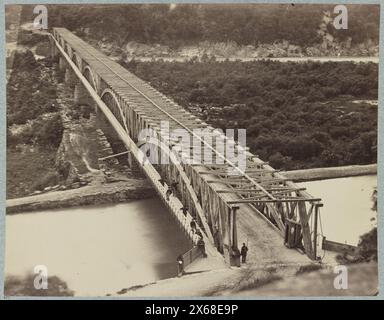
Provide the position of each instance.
(136, 189)
(257, 281)
(330, 173)
(122, 191)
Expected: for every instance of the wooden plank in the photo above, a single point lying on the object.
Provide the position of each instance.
(305, 229)
(339, 247)
(302, 200)
(113, 155)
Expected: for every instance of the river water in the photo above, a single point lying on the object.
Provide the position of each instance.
(347, 207)
(100, 250)
(97, 250)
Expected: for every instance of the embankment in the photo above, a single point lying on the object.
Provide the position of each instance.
(257, 281)
(330, 173)
(89, 195)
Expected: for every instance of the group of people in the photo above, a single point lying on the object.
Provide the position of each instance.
(195, 231)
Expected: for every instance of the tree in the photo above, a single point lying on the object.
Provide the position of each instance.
(278, 161)
(50, 133)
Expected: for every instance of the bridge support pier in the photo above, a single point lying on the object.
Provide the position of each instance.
(53, 52)
(62, 63)
(133, 165)
(81, 95)
(70, 78)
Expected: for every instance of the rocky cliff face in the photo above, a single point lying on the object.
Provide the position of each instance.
(327, 46)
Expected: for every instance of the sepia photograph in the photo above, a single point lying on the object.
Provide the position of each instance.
(179, 150)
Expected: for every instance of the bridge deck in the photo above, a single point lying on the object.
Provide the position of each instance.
(261, 193)
(117, 77)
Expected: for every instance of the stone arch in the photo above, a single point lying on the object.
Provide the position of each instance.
(89, 75)
(69, 50)
(113, 103)
(76, 59)
(62, 43)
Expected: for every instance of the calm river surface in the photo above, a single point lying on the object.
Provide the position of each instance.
(97, 250)
(347, 206)
(100, 250)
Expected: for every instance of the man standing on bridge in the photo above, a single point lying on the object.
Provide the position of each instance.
(180, 265)
(243, 253)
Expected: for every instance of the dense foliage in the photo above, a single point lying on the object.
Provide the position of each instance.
(31, 100)
(296, 115)
(34, 126)
(184, 24)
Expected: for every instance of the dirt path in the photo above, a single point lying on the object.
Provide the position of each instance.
(362, 281)
(260, 281)
(265, 244)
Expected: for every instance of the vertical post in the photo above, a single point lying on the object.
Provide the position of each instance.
(317, 206)
(234, 227)
(229, 229)
(307, 239)
(234, 256)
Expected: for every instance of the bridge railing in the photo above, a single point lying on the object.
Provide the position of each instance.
(191, 255)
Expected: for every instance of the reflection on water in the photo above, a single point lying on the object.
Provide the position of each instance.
(97, 250)
(347, 213)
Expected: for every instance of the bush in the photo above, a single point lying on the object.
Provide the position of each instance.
(48, 180)
(368, 245)
(50, 133)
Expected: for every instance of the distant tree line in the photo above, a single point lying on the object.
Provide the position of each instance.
(183, 24)
(297, 115)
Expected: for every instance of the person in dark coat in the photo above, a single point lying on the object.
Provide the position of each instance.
(168, 194)
(180, 265)
(201, 245)
(243, 252)
(193, 225)
(185, 210)
(198, 232)
(174, 187)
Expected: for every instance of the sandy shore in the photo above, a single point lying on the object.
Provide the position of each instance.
(331, 172)
(132, 189)
(135, 189)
